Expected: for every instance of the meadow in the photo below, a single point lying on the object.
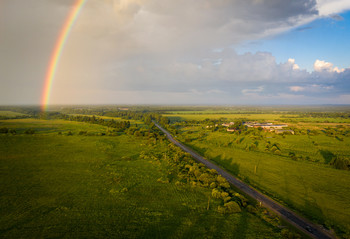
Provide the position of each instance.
(272, 117)
(293, 169)
(55, 184)
(6, 114)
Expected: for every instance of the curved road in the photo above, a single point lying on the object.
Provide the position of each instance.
(314, 231)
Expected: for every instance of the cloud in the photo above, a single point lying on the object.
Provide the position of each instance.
(320, 66)
(292, 62)
(296, 88)
(331, 7)
(336, 17)
(301, 29)
(180, 51)
(252, 91)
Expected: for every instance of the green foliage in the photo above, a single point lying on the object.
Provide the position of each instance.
(232, 207)
(29, 131)
(7, 114)
(341, 163)
(327, 155)
(4, 130)
(289, 235)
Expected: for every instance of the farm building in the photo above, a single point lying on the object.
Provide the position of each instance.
(265, 125)
(228, 124)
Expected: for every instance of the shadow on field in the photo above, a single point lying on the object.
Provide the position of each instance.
(286, 188)
(327, 155)
(312, 209)
(310, 206)
(235, 168)
(228, 164)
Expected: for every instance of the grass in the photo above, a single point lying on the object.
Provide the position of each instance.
(288, 118)
(10, 114)
(50, 127)
(229, 116)
(98, 187)
(316, 190)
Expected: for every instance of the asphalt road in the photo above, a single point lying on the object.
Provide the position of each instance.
(311, 229)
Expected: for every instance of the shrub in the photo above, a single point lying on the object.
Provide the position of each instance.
(277, 152)
(252, 209)
(221, 209)
(4, 130)
(232, 207)
(341, 163)
(213, 185)
(215, 193)
(29, 131)
(273, 149)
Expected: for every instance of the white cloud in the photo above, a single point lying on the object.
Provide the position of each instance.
(320, 66)
(291, 61)
(330, 7)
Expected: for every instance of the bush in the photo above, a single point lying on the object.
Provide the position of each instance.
(82, 132)
(215, 193)
(29, 131)
(290, 235)
(341, 163)
(213, 185)
(232, 207)
(277, 152)
(4, 130)
(221, 209)
(252, 209)
(273, 149)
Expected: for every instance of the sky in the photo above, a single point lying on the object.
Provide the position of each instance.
(178, 52)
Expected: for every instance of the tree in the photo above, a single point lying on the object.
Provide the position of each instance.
(232, 207)
(4, 130)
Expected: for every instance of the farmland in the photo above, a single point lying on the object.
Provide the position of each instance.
(297, 170)
(56, 182)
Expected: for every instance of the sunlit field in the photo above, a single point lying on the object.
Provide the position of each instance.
(293, 169)
(55, 184)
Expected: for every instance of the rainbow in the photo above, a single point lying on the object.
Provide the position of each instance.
(57, 51)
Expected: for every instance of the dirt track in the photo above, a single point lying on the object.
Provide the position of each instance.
(314, 231)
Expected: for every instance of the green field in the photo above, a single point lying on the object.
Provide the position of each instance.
(59, 186)
(292, 118)
(229, 116)
(51, 127)
(10, 114)
(305, 182)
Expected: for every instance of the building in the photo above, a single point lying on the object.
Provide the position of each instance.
(228, 124)
(265, 125)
